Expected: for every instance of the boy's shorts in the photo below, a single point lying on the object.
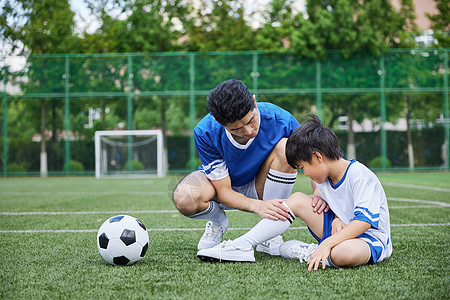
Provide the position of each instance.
(328, 218)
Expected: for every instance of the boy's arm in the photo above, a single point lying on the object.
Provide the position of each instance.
(352, 230)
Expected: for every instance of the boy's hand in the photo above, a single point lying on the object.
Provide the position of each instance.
(319, 255)
(337, 225)
(319, 204)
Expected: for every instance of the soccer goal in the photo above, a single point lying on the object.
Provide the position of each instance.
(129, 153)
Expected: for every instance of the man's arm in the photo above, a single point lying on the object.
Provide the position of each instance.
(271, 209)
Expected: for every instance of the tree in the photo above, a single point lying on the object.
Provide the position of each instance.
(277, 27)
(440, 23)
(40, 27)
(220, 26)
(354, 27)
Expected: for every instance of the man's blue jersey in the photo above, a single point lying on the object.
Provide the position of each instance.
(222, 156)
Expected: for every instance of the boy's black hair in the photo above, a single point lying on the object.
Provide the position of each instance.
(312, 137)
(230, 101)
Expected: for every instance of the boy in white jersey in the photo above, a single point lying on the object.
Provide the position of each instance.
(354, 232)
(242, 148)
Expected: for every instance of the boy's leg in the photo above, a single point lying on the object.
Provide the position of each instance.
(194, 197)
(350, 253)
(275, 180)
(241, 249)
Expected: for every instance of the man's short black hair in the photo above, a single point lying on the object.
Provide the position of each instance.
(230, 101)
(312, 137)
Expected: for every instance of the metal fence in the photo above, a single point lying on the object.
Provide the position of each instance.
(396, 103)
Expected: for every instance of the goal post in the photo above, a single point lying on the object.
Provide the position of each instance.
(129, 153)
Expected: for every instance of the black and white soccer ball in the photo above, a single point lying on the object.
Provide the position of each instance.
(122, 240)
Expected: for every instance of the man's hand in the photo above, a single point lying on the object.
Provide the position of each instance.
(319, 204)
(337, 225)
(272, 209)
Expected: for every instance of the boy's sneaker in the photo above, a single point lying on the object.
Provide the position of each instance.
(213, 235)
(226, 252)
(271, 246)
(297, 250)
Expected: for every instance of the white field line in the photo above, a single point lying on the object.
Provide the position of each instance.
(414, 186)
(191, 229)
(80, 193)
(430, 204)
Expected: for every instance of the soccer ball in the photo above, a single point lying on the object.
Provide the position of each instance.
(122, 240)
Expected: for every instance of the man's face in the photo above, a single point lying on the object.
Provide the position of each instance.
(247, 127)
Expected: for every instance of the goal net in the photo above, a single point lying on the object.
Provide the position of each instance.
(129, 153)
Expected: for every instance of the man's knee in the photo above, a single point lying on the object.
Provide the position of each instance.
(192, 194)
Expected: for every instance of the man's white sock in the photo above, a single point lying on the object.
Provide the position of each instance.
(263, 231)
(278, 185)
(213, 213)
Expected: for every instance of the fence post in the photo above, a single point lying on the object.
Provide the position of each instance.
(382, 74)
(446, 113)
(255, 74)
(318, 88)
(67, 113)
(192, 110)
(5, 125)
(130, 112)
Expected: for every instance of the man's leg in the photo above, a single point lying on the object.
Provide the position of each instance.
(194, 197)
(275, 178)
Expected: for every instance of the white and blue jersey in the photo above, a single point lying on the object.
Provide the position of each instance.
(222, 156)
(359, 195)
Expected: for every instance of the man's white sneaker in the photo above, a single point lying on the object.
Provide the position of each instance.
(297, 250)
(213, 235)
(271, 246)
(226, 252)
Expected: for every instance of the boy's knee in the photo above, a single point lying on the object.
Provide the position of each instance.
(350, 254)
(299, 202)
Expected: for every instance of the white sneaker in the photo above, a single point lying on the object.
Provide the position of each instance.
(226, 252)
(213, 235)
(297, 250)
(271, 246)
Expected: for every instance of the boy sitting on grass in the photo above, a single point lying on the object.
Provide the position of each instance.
(356, 229)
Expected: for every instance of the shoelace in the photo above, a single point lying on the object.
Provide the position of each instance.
(223, 245)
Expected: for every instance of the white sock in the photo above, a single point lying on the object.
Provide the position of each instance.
(278, 185)
(213, 213)
(263, 231)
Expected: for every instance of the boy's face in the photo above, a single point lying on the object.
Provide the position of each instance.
(247, 127)
(315, 169)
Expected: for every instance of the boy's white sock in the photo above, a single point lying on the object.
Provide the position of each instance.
(278, 185)
(213, 213)
(263, 231)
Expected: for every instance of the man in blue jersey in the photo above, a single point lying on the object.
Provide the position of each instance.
(241, 145)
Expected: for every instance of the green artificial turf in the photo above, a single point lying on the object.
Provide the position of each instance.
(41, 259)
